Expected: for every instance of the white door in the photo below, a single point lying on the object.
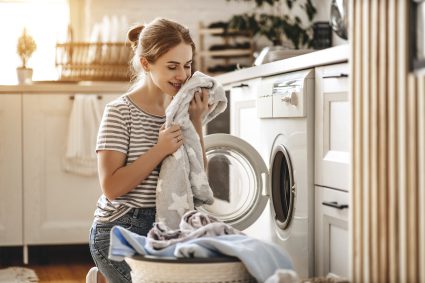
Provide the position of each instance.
(245, 195)
(58, 206)
(10, 170)
(332, 123)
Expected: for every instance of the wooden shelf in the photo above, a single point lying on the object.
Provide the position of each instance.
(230, 56)
(223, 32)
(227, 52)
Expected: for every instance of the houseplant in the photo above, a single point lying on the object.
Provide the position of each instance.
(279, 23)
(25, 48)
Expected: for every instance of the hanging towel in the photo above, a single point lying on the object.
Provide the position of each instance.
(182, 182)
(80, 157)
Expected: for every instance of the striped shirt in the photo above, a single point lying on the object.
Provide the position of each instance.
(127, 128)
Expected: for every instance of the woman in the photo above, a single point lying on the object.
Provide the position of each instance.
(132, 140)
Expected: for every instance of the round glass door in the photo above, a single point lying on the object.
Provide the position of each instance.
(282, 187)
(235, 174)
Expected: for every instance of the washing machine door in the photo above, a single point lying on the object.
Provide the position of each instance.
(283, 189)
(238, 177)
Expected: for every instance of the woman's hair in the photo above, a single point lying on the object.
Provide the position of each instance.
(153, 40)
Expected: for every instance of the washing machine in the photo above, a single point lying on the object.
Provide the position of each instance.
(261, 172)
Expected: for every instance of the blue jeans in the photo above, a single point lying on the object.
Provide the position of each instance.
(137, 220)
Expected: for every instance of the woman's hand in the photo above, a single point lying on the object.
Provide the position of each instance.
(198, 107)
(170, 139)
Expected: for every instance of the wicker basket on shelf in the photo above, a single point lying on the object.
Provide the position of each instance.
(97, 61)
(147, 269)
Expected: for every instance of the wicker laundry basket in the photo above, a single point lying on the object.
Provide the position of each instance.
(147, 269)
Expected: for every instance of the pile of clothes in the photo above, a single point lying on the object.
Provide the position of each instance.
(201, 236)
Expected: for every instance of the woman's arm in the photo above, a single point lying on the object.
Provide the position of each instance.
(198, 108)
(117, 179)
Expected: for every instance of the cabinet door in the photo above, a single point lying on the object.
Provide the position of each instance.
(58, 206)
(10, 170)
(331, 232)
(333, 127)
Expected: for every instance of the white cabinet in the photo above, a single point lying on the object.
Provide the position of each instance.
(332, 124)
(58, 206)
(10, 170)
(331, 229)
(332, 160)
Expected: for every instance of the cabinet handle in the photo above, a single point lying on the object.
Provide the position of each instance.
(99, 97)
(335, 204)
(342, 75)
(240, 85)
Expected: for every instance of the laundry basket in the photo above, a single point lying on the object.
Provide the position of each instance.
(148, 269)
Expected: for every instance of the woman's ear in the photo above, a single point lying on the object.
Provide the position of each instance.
(145, 64)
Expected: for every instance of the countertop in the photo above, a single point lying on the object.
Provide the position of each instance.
(66, 87)
(333, 55)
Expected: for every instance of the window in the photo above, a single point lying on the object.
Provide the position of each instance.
(46, 21)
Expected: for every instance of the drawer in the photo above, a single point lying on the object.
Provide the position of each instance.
(331, 232)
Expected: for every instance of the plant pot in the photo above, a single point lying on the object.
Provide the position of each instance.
(24, 75)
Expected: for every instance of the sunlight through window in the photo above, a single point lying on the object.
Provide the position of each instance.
(46, 21)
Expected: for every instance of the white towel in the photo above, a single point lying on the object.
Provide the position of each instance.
(182, 182)
(80, 157)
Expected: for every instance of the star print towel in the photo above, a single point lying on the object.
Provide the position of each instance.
(183, 183)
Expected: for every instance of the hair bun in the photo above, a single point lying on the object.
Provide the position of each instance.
(133, 34)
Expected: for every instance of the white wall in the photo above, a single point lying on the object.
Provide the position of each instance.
(186, 12)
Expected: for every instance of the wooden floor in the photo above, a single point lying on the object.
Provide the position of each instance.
(64, 264)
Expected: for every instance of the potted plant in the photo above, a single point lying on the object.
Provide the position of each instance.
(281, 25)
(25, 48)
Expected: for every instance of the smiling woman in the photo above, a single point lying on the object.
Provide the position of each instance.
(46, 21)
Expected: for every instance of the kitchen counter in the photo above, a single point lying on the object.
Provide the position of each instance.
(66, 87)
(333, 55)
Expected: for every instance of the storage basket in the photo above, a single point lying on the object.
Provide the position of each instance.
(147, 269)
(97, 61)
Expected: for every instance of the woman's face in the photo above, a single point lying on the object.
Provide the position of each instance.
(172, 69)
